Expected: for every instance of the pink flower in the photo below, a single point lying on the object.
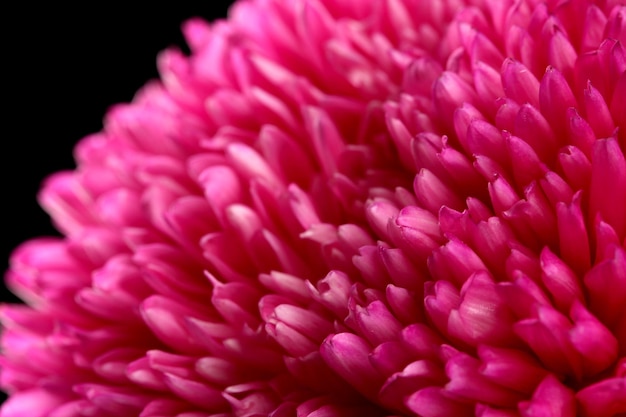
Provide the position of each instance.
(342, 208)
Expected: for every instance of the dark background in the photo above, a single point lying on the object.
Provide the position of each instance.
(62, 69)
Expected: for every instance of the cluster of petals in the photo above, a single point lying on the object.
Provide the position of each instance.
(343, 208)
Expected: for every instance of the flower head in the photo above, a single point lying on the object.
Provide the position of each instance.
(343, 208)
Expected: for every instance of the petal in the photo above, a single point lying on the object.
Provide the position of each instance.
(550, 398)
(603, 399)
(347, 354)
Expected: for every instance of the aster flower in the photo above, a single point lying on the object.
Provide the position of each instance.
(342, 208)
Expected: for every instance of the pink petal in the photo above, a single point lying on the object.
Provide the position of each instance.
(603, 399)
(347, 354)
(608, 184)
(435, 402)
(32, 403)
(550, 398)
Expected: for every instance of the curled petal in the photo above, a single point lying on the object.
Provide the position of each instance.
(482, 316)
(347, 354)
(35, 403)
(555, 96)
(519, 83)
(605, 283)
(435, 402)
(593, 340)
(466, 382)
(603, 399)
(510, 368)
(548, 336)
(550, 398)
(559, 279)
(608, 184)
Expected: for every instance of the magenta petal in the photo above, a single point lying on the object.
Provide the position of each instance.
(401, 269)
(510, 368)
(419, 230)
(488, 85)
(312, 371)
(455, 262)
(432, 193)
(73, 409)
(195, 392)
(576, 166)
(580, 133)
(379, 213)
(598, 113)
(606, 240)
(482, 316)
(608, 184)
(486, 411)
(286, 285)
(422, 341)
(450, 91)
(519, 83)
(593, 340)
(413, 377)
(463, 118)
(440, 299)
(550, 398)
(249, 163)
(562, 283)
(332, 292)
(65, 198)
(166, 317)
(370, 263)
(402, 138)
(390, 357)
(508, 112)
(573, 235)
(236, 302)
(326, 140)
(309, 323)
(32, 403)
(548, 336)
(113, 399)
(221, 187)
(294, 343)
(219, 371)
(526, 163)
(347, 354)
(502, 193)
(485, 139)
(113, 364)
(248, 399)
(402, 303)
(459, 167)
(618, 104)
(605, 283)
(603, 399)
(143, 375)
(164, 362)
(434, 402)
(161, 407)
(555, 96)
(561, 53)
(284, 152)
(467, 382)
(378, 324)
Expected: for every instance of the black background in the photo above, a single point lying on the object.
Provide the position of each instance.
(62, 69)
